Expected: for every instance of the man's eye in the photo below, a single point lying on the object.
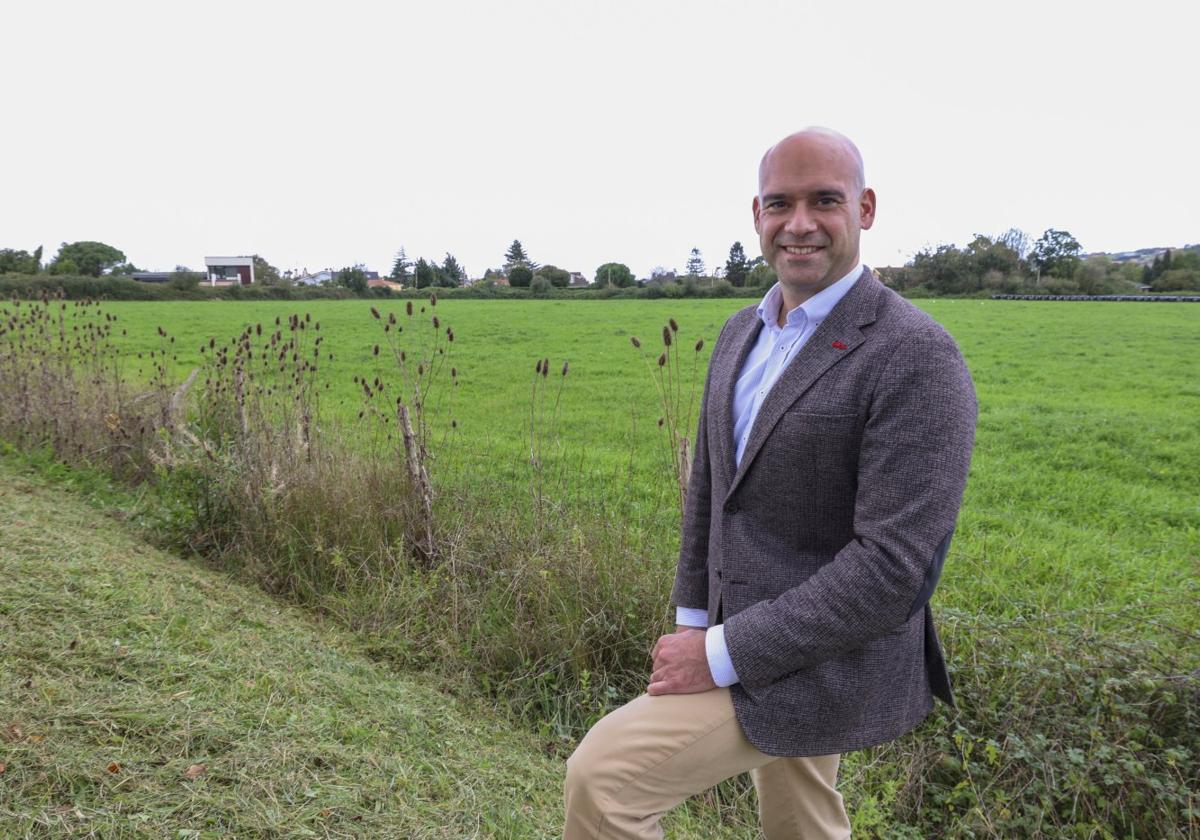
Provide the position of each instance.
(774, 205)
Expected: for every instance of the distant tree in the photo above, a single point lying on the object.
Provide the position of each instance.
(90, 258)
(736, 267)
(540, 285)
(1056, 253)
(695, 264)
(454, 274)
(265, 273)
(1177, 280)
(944, 271)
(1016, 240)
(615, 274)
(424, 274)
(987, 256)
(1092, 275)
(20, 262)
(1175, 271)
(515, 255)
(1158, 266)
(761, 275)
(66, 266)
(183, 279)
(558, 277)
(400, 267)
(520, 276)
(353, 278)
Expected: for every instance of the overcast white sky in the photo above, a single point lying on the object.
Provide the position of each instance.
(325, 134)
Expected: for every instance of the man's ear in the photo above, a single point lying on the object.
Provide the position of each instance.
(866, 209)
(757, 208)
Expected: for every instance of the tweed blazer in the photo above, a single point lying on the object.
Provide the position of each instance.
(820, 551)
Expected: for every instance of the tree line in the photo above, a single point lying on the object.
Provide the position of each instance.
(1010, 263)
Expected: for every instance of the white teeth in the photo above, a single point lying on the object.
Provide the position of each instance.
(801, 249)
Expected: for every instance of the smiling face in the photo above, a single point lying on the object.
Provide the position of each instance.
(810, 209)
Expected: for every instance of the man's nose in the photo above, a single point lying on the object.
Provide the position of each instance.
(800, 222)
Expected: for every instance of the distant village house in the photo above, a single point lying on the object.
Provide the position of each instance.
(229, 271)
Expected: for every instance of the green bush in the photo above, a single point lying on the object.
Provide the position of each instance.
(1060, 732)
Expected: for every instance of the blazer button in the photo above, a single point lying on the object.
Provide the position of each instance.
(731, 507)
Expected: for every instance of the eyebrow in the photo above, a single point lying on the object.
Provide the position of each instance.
(822, 193)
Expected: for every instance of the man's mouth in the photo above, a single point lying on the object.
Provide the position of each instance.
(802, 249)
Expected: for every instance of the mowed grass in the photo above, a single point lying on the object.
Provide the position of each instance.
(142, 696)
(1084, 488)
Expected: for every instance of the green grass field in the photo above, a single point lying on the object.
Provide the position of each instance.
(1068, 606)
(1086, 475)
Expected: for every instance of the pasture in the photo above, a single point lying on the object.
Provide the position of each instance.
(1085, 479)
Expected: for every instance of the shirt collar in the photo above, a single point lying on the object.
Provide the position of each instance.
(814, 310)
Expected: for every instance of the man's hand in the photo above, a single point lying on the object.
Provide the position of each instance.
(680, 664)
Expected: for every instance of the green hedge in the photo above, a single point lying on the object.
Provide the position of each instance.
(33, 286)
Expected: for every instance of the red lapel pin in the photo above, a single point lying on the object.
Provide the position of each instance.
(837, 345)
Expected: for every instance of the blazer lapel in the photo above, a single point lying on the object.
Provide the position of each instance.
(833, 341)
(724, 385)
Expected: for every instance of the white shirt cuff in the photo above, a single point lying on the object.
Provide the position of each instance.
(691, 617)
(719, 662)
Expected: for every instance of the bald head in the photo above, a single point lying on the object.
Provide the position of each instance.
(835, 146)
(812, 205)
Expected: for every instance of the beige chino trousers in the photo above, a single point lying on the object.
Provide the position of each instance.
(654, 752)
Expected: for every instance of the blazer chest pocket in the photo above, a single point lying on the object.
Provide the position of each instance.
(824, 446)
(802, 424)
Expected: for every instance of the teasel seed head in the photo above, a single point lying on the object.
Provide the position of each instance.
(662, 359)
(666, 336)
(673, 325)
(699, 345)
(566, 366)
(633, 339)
(408, 307)
(374, 313)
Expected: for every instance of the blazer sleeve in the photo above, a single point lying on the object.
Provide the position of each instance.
(912, 469)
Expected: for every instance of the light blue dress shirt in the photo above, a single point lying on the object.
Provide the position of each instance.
(775, 348)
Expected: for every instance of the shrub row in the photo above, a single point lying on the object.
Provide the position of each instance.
(35, 286)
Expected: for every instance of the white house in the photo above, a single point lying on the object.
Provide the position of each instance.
(229, 271)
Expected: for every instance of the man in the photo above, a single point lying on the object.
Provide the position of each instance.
(834, 441)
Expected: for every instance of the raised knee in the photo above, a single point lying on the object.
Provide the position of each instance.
(587, 786)
(579, 784)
